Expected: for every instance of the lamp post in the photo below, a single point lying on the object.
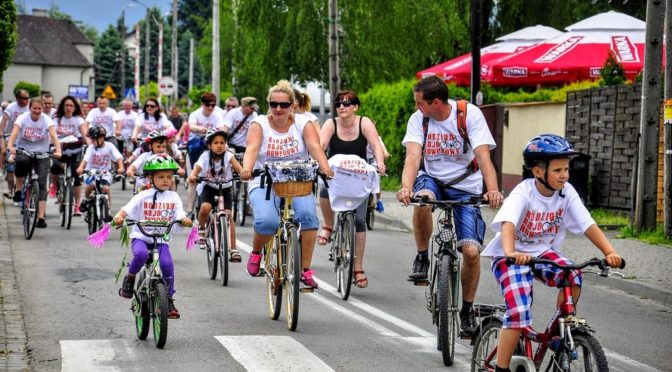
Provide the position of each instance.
(160, 56)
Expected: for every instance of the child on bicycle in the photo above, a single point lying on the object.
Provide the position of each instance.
(157, 143)
(215, 164)
(157, 204)
(532, 222)
(98, 156)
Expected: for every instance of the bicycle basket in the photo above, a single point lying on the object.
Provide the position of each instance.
(292, 178)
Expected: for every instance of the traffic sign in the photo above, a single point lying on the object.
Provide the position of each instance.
(130, 94)
(166, 86)
(108, 92)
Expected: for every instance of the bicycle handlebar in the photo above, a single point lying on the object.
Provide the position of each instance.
(424, 200)
(601, 263)
(142, 224)
(34, 154)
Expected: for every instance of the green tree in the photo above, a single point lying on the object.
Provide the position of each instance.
(32, 88)
(194, 15)
(183, 56)
(107, 58)
(612, 72)
(9, 34)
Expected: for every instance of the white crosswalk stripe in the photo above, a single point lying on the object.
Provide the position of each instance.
(95, 355)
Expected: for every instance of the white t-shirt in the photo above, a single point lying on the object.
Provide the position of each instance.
(168, 208)
(102, 119)
(69, 127)
(127, 122)
(232, 121)
(33, 135)
(149, 124)
(541, 222)
(276, 146)
(354, 179)
(444, 154)
(100, 159)
(219, 174)
(13, 111)
(52, 114)
(310, 116)
(139, 163)
(209, 122)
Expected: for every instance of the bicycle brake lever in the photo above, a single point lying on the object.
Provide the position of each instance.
(616, 273)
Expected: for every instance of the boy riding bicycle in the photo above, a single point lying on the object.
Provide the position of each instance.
(157, 204)
(532, 223)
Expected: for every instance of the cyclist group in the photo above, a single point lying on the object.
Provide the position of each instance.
(447, 158)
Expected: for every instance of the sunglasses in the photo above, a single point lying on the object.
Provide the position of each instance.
(210, 104)
(345, 103)
(150, 106)
(283, 105)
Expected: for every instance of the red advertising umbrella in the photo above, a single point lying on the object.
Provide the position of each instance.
(458, 70)
(576, 55)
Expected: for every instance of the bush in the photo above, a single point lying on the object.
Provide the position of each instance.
(612, 72)
(33, 89)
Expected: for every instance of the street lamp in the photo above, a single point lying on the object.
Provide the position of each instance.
(160, 56)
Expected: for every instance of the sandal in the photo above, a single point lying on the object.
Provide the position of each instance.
(363, 281)
(324, 236)
(234, 256)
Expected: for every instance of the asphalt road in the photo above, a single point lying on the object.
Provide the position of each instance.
(76, 321)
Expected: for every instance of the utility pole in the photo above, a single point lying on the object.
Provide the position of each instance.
(173, 47)
(147, 20)
(136, 68)
(475, 50)
(215, 49)
(159, 72)
(334, 77)
(191, 67)
(645, 207)
(122, 31)
(667, 182)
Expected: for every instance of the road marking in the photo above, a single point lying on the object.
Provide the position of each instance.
(95, 355)
(272, 353)
(632, 364)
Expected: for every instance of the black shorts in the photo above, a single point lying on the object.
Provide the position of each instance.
(209, 193)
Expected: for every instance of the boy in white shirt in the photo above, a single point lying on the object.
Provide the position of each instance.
(532, 223)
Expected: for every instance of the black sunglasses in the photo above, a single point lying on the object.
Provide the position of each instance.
(345, 103)
(283, 105)
(150, 106)
(210, 104)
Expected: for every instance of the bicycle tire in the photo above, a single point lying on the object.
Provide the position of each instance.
(293, 277)
(346, 256)
(60, 198)
(104, 211)
(160, 313)
(370, 213)
(92, 217)
(140, 308)
(33, 206)
(447, 319)
(243, 211)
(69, 200)
(482, 356)
(235, 190)
(272, 265)
(587, 356)
(224, 249)
(211, 247)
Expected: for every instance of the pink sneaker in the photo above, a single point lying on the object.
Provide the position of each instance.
(77, 212)
(253, 264)
(52, 190)
(307, 278)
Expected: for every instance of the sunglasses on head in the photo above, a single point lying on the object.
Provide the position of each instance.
(210, 104)
(283, 105)
(345, 103)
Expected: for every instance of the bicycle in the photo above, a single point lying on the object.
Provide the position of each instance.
(30, 194)
(150, 298)
(65, 196)
(444, 281)
(282, 255)
(570, 338)
(185, 156)
(343, 251)
(371, 212)
(239, 195)
(98, 206)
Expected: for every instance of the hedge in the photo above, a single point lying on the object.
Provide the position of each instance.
(32, 89)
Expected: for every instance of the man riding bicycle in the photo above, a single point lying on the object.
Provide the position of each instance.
(445, 165)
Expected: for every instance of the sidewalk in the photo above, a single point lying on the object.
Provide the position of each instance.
(646, 274)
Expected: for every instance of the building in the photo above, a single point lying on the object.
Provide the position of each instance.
(53, 53)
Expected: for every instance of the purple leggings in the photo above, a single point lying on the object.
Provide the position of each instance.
(140, 254)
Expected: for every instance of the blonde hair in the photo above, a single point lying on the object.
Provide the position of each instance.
(282, 86)
(35, 100)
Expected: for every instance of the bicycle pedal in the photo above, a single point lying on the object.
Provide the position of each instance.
(421, 283)
(262, 272)
(306, 289)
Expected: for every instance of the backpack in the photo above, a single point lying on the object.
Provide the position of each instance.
(462, 130)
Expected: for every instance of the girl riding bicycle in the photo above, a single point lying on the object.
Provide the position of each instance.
(32, 132)
(156, 142)
(157, 204)
(523, 234)
(216, 163)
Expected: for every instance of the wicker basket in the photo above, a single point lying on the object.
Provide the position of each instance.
(292, 189)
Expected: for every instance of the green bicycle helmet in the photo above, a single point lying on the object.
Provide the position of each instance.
(160, 162)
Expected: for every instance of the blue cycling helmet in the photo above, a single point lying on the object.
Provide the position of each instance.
(546, 147)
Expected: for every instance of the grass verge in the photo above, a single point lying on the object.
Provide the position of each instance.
(656, 236)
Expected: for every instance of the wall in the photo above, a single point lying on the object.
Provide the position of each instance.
(16, 73)
(86, 50)
(526, 120)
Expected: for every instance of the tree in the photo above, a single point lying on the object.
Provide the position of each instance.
(88, 30)
(194, 15)
(8, 31)
(107, 58)
(612, 72)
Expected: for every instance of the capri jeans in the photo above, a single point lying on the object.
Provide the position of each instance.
(360, 211)
(267, 215)
(23, 165)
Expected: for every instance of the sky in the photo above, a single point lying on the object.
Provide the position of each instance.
(99, 13)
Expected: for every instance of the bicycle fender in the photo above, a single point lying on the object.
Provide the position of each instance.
(486, 320)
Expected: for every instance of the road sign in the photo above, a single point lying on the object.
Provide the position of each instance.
(79, 91)
(166, 86)
(130, 94)
(108, 92)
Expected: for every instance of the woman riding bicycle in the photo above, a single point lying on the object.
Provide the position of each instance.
(69, 122)
(32, 132)
(281, 136)
(349, 134)
(521, 234)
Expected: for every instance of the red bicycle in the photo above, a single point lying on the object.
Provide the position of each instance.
(569, 338)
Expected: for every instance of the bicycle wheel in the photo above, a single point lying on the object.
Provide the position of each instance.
(123, 183)
(587, 356)
(160, 313)
(140, 307)
(293, 277)
(104, 211)
(33, 203)
(483, 356)
(60, 198)
(93, 217)
(346, 256)
(69, 202)
(243, 204)
(224, 249)
(447, 320)
(272, 265)
(211, 247)
(235, 194)
(370, 212)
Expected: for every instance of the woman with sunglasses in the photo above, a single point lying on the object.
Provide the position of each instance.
(150, 119)
(301, 141)
(349, 134)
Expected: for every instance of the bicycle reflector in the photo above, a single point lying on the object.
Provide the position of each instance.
(444, 236)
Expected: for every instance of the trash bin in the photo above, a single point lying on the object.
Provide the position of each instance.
(579, 168)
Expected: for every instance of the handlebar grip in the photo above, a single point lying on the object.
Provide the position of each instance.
(510, 261)
(622, 264)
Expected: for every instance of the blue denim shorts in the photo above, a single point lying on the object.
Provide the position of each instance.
(469, 224)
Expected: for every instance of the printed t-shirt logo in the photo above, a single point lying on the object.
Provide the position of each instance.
(102, 120)
(34, 134)
(281, 147)
(100, 161)
(150, 125)
(63, 130)
(442, 144)
(158, 212)
(353, 166)
(537, 224)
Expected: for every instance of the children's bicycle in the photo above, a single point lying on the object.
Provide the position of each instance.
(150, 298)
(30, 194)
(239, 196)
(443, 295)
(569, 338)
(97, 204)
